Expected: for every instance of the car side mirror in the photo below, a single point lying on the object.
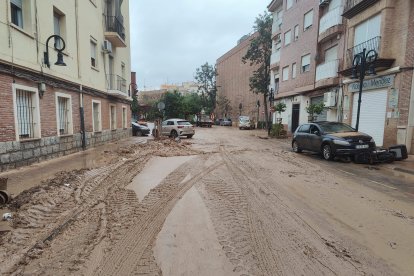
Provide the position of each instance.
(316, 132)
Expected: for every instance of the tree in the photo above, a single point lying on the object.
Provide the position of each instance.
(206, 79)
(314, 110)
(173, 104)
(258, 54)
(223, 106)
(134, 106)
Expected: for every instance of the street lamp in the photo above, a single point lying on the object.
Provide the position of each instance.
(271, 101)
(362, 60)
(240, 108)
(59, 61)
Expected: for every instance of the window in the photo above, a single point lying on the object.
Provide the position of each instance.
(27, 115)
(289, 4)
(308, 20)
(64, 114)
(16, 8)
(367, 30)
(96, 116)
(285, 73)
(59, 26)
(294, 70)
(94, 62)
(288, 37)
(304, 129)
(124, 117)
(296, 32)
(314, 129)
(306, 63)
(112, 117)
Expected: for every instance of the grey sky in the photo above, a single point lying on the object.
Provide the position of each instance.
(171, 38)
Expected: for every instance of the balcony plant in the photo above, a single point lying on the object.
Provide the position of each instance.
(314, 110)
(279, 108)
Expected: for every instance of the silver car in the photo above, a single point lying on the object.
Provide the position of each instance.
(177, 127)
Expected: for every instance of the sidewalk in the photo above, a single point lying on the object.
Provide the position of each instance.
(405, 166)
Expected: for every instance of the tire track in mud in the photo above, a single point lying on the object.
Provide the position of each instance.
(127, 253)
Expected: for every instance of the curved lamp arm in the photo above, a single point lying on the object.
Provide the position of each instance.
(46, 54)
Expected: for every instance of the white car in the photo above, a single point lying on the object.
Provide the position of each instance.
(177, 127)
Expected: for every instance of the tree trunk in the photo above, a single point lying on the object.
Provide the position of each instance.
(266, 110)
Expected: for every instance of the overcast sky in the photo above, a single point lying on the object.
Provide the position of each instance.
(171, 38)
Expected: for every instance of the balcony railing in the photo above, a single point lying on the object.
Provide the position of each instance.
(353, 7)
(372, 44)
(113, 24)
(330, 19)
(326, 70)
(117, 83)
(275, 57)
(277, 25)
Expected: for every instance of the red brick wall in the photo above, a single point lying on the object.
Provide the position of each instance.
(7, 132)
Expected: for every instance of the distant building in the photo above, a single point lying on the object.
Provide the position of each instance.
(48, 110)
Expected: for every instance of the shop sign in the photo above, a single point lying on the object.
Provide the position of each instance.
(380, 82)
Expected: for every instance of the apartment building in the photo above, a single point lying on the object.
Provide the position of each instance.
(64, 77)
(387, 29)
(233, 82)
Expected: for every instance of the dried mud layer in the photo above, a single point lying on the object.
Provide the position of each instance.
(274, 213)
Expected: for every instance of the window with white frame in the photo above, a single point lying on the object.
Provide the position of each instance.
(64, 114)
(287, 37)
(94, 62)
(293, 70)
(27, 112)
(296, 32)
(307, 20)
(112, 117)
(305, 63)
(285, 73)
(58, 25)
(16, 9)
(289, 4)
(367, 30)
(124, 117)
(96, 116)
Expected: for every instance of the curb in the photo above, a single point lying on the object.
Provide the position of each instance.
(404, 170)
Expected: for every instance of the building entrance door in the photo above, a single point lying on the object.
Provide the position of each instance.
(295, 117)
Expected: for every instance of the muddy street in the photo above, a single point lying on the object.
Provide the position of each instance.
(223, 203)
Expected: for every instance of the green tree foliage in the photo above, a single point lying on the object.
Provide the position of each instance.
(177, 106)
(206, 78)
(258, 55)
(134, 105)
(223, 106)
(173, 104)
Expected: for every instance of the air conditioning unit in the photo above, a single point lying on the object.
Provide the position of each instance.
(107, 46)
(324, 2)
(329, 99)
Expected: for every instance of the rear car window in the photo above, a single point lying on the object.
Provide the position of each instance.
(304, 128)
(183, 123)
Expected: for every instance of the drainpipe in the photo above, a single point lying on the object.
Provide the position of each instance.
(82, 119)
(77, 38)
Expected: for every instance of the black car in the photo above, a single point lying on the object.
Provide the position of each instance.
(139, 130)
(226, 122)
(331, 139)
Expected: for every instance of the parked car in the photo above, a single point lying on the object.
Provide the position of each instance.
(177, 127)
(245, 123)
(217, 122)
(226, 122)
(139, 130)
(331, 139)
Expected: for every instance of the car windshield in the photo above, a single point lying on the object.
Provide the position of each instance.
(183, 123)
(335, 127)
(243, 120)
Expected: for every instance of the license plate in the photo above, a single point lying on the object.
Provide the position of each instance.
(361, 146)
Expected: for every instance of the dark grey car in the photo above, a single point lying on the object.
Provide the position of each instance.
(331, 139)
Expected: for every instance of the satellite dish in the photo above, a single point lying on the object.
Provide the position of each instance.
(161, 105)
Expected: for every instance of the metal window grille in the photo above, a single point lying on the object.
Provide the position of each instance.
(113, 123)
(96, 117)
(124, 117)
(63, 111)
(25, 114)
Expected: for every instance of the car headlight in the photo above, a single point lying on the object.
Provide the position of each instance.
(341, 142)
(372, 140)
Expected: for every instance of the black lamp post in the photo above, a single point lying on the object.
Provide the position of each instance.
(364, 61)
(240, 108)
(271, 100)
(258, 108)
(59, 61)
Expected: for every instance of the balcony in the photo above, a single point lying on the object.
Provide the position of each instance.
(381, 63)
(330, 24)
(277, 27)
(114, 31)
(117, 86)
(327, 73)
(354, 7)
(275, 60)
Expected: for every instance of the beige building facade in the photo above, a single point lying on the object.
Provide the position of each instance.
(48, 110)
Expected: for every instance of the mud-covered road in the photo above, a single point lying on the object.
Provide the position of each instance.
(223, 203)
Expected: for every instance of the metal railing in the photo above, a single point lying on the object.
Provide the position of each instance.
(371, 44)
(275, 57)
(113, 24)
(326, 70)
(330, 19)
(349, 4)
(116, 82)
(277, 25)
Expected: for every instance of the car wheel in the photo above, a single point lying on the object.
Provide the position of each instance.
(134, 133)
(174, 134)
(190, 136)
(327, 153)
(295, 147)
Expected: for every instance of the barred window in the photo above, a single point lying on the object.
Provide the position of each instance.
(25, 114)
(64, 115)
(96, 110)
(124, 117)
(113, 117)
